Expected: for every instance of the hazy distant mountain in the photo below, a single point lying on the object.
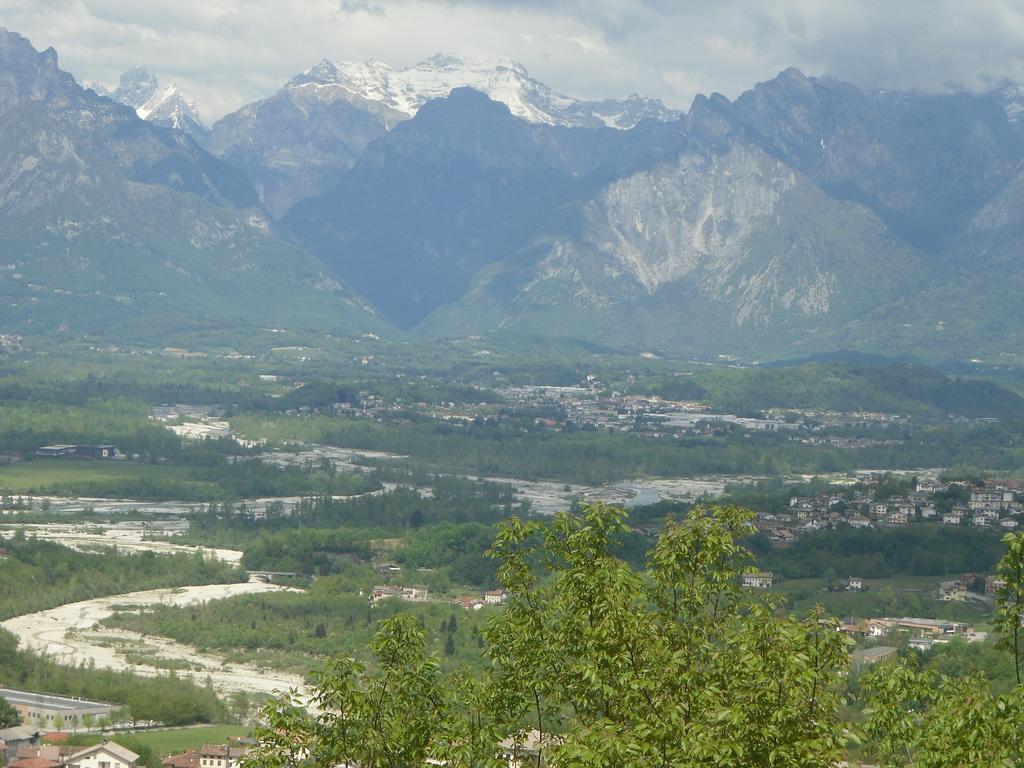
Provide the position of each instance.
(724, 246)
(923, 163)
(407, 89)
(294, 144)
(115, 228)
(459, 186)
(162, 105)
(805, 216)
(1011, 99)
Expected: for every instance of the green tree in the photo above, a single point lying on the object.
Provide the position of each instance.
(829, 578)
(924, 719)
(9, 716)
(672, 666)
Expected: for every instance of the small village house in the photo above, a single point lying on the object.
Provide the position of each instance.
(109, 754)
(758, 580)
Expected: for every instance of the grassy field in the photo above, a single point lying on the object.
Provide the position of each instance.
(898, 596)
(175, 740)
(36, 475)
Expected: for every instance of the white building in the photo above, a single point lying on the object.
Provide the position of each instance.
(761, 580)
(109, 754)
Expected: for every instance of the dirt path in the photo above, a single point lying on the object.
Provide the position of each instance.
(70, 634)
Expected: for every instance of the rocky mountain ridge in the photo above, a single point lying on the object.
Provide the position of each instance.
(805, 216)
(404, 90)
(114, 228)
(163, 105)
(294, 144)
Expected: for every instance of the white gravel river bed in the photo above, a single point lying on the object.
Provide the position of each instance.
(72, 634)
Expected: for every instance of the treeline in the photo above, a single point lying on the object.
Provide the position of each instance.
(446, 532)
(891, 388)
(176, 382)
(919, 550)
(325, 393)
(394, 510)
(37, 575)
(334, 616)
(309, 551)
(168, 699)
(454, 551)
(28, 425)
(219, 479)
(596, 457)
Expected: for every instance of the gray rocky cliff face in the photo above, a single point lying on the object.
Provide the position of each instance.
(295, 144)
(108, 221)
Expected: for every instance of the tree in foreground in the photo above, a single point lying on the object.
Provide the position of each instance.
(918, 719)
(591, 664)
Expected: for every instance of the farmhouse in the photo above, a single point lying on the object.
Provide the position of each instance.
(220, 756)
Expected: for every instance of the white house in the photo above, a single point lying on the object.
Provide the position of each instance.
(761, 580)
(109, 754)
(898, 517)
(220, 756)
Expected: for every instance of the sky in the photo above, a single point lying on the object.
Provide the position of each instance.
(226, 53)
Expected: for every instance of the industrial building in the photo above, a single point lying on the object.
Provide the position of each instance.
(44, 709)
(81, 451)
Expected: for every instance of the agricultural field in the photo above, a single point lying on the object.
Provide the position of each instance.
(50, 475)
(168, 741)
(896, 596)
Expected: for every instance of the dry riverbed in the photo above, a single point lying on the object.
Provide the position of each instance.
(127, 536)
(72, 634)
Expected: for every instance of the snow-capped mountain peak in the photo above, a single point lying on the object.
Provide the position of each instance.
(163, 105)
(136, 87)
(405, 90)
(1011, 98)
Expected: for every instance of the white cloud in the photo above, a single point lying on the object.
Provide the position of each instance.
(228, 52)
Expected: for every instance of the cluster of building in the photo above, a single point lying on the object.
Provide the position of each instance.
(476, 602)
(419, 593)
(586, 406)
(415, 594)
(766, 579)
(22, 749)
(959, 590)
(209, 756)
(995, 505)
(924, 633)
